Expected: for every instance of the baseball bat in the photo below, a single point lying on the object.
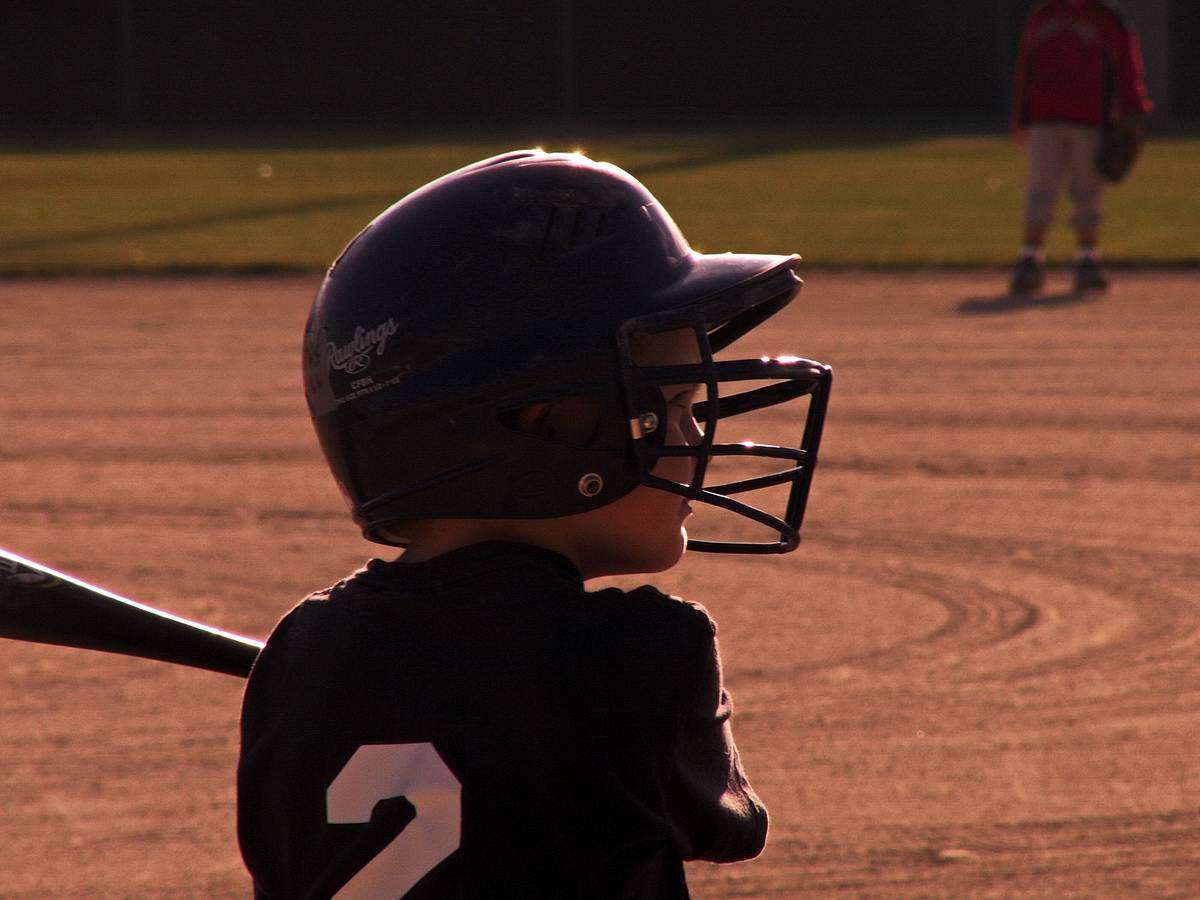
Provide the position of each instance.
(41, 605)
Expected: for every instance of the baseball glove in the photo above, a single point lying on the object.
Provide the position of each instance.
(1120, 145)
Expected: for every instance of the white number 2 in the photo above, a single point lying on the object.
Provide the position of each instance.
(380, 772)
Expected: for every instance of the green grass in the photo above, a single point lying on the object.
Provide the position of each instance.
(838, 199)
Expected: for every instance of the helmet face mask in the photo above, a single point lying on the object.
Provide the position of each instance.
(521, 281)
(723, 469)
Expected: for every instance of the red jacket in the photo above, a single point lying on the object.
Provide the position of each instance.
(1071, 52)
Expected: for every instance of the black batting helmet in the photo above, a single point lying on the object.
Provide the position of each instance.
(519, 280)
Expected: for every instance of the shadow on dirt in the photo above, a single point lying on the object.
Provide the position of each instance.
(1011, 303)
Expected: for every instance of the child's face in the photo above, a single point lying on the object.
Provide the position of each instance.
(644, 531)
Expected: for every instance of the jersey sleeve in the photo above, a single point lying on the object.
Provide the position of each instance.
(1129, 74)
(710, 801)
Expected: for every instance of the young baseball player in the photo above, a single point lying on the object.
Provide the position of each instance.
(512, 376)
(1079, 69)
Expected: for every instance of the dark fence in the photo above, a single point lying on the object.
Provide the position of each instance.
(188, 63)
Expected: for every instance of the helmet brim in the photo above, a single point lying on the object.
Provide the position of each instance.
(730, 292)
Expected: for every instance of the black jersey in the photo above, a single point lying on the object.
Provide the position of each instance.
(480, 726)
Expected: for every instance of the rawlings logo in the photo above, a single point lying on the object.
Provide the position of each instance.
(355, 356)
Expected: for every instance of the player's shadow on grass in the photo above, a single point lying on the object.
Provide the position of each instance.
(1010, 303)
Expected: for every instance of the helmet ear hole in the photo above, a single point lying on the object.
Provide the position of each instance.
(576, 421)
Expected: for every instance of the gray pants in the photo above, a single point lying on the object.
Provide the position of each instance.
(1058, 151)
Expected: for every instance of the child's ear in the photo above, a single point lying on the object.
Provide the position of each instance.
(573, 420)
(535, 419)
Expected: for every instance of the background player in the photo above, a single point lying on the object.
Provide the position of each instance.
(1079, 67)
(508, 372)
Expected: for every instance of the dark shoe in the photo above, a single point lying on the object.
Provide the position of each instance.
(1028, 276)
(1090, 277)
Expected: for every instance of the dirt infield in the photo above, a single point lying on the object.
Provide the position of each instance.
(979, 677)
